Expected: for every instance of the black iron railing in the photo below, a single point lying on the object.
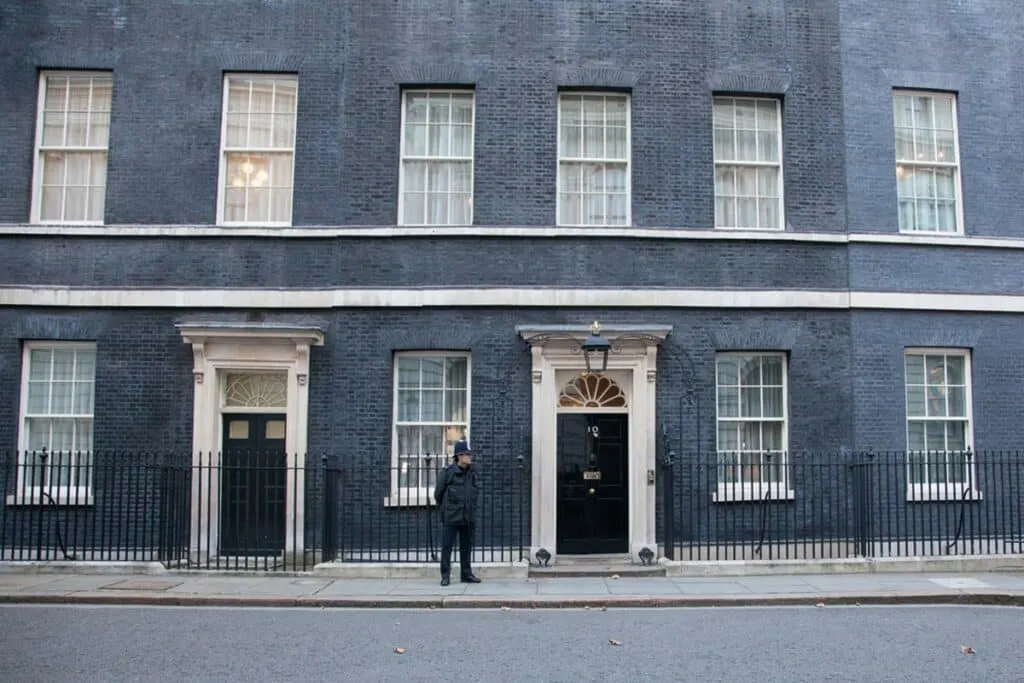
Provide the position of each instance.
(802, 505)
(245, 511)
(257, 511)
(405, 525)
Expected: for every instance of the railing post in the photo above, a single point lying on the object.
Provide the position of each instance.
(327, 542)
(668, 498)
(862, 502)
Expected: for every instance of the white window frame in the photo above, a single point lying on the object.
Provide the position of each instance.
(37, 160)
(399, 496)
(559, 160)
(957, 182)
(945, 490)
(780, 164)
(404, 158)
(224, 150)
(49, 494)
(727, 492)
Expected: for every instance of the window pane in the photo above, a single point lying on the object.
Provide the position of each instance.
(915, 401)
(39, 397)
(767, 146)
(914, 366)
(432, 405)
(773, 402)
(456, 377)
(750, 402)
(750, 436)
(455, 406)
(728, 436)
(728, 370)
(915, 436)
(955, 370)
(408, 405)
(728, 402)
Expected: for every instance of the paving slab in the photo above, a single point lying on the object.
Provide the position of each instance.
(642, 586)
(698, 587)
(577, 586)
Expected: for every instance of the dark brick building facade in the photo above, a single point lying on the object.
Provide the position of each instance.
(781, 273)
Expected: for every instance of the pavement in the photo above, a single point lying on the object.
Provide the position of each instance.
(268, 590)
(58, 643)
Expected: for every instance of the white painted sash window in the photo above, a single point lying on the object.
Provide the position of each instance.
(431, 409)
(593, 159)
(258, 150)
(57, 403)
(72, 139)
(752, 418)
(939, 424)
(748, 163)
(436, 179)
(927, 162)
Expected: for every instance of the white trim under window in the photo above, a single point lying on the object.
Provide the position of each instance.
(69, 177)
(749, 186)
(435, 180)
(594, 185)
(256, 180)
(431, 411)
(940, 425)
(55, 427)
(928, 186)
(752, 419)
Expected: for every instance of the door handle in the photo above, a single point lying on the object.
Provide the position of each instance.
(591, 492)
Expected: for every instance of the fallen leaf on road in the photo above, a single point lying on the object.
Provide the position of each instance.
(820, 604)
(399, 650)
(615, 576)
(967, 650)
(614, 642)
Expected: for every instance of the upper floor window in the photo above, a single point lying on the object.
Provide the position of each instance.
(436, 178)
(748, 163)
(593, 159)
(257, 150)
(927, 162)
(72, 138)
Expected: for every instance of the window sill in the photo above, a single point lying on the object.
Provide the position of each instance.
(933, 233)
(410, 499)
(731, 228)
(254, 225)
(752, 494)
(58, 499)
(69, 224)
(941, 494)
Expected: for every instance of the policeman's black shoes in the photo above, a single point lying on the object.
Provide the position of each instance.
(467, 579)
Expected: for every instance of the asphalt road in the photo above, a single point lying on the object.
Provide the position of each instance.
(99, 644)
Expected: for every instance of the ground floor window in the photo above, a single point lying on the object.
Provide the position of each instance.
(752, 425)
(55, 440)
(431, 409)
(939, 429)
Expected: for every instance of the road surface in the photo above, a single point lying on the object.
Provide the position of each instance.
(99, 644)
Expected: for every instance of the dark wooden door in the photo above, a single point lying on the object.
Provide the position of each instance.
(593, 493)
(253, 467)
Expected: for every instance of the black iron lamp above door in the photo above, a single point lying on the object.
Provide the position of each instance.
(595, 350)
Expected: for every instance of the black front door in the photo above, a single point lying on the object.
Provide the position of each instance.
(252, 489)
(593, 494)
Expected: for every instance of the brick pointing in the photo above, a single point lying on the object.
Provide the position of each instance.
(954, 40)
(376, 262)
(352, 58)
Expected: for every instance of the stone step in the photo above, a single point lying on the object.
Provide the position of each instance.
(597, 567)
